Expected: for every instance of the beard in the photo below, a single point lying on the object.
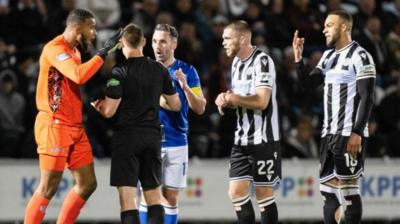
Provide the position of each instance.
(232, 52)
(332, 41)
(85, 44)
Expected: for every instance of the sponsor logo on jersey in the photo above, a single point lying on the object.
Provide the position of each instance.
(63, 56)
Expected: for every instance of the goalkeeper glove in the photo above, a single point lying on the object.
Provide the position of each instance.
(111, 44)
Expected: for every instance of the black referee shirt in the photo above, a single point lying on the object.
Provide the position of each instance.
(140, 83)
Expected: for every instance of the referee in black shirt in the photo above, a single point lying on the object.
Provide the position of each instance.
(133, 96)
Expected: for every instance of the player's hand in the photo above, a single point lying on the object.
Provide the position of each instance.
(221, 103)
(228, 98)
(182, 79)
(111, 44)
(96, 104)
(298, 46)
(354, 145)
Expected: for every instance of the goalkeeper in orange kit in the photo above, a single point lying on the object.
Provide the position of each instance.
(59, 135)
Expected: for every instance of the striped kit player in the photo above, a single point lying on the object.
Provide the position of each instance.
(347, 72)
(342, 69)
(256, 155)
(255, 126)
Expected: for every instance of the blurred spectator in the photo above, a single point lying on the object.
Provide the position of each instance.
(289, 94)
(377, 144)
(220, 76)
(393, 43)
(107, 12)
(209, 9)
(219, 81)
(301, 143)
(371, 39)
(214, 43)
(184, 11)
(144, 15)
(165, 18)
(234, 9)
(7, 54)
(258, 40)
(389, 118)
(333, 5)
(27, 25)
(26, 71)
(393, 7)
(4, 18)
(202, 132)
(309, 22)
(278, 30)
(11, 115)
(254, 13)
(367, 9)
(190, 48)
(58, 16)
(294, 98)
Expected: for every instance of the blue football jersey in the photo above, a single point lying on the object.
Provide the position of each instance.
(175, 124)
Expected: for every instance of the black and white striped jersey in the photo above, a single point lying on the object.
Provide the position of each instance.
(342, 69)
(255, 126)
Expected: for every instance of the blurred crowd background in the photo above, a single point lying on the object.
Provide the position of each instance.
(26, 25)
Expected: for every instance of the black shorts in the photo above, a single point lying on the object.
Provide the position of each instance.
(336, 162)
(136, 156)
(258, 163)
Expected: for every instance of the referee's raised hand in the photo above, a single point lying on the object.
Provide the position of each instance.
(298, 46)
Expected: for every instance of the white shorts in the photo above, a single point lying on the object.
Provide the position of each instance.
(175, 166)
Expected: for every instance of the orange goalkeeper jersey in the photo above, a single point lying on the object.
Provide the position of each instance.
(61, 73)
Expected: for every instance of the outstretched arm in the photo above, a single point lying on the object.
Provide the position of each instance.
(315, 77)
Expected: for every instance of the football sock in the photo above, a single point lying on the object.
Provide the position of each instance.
(244, 210)
(171, 214)
(155, 214)
(71, 208)
(36, 209)
(143, 213)
(332, 201)
(269, 211)
(130, 217)
(353, 212)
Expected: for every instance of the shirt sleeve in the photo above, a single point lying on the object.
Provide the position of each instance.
(265, 72)
(193, 81)
(364, 65)
(114, 88)
(168, 84)
(309, 80)
(365, 75)
(70, 68)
